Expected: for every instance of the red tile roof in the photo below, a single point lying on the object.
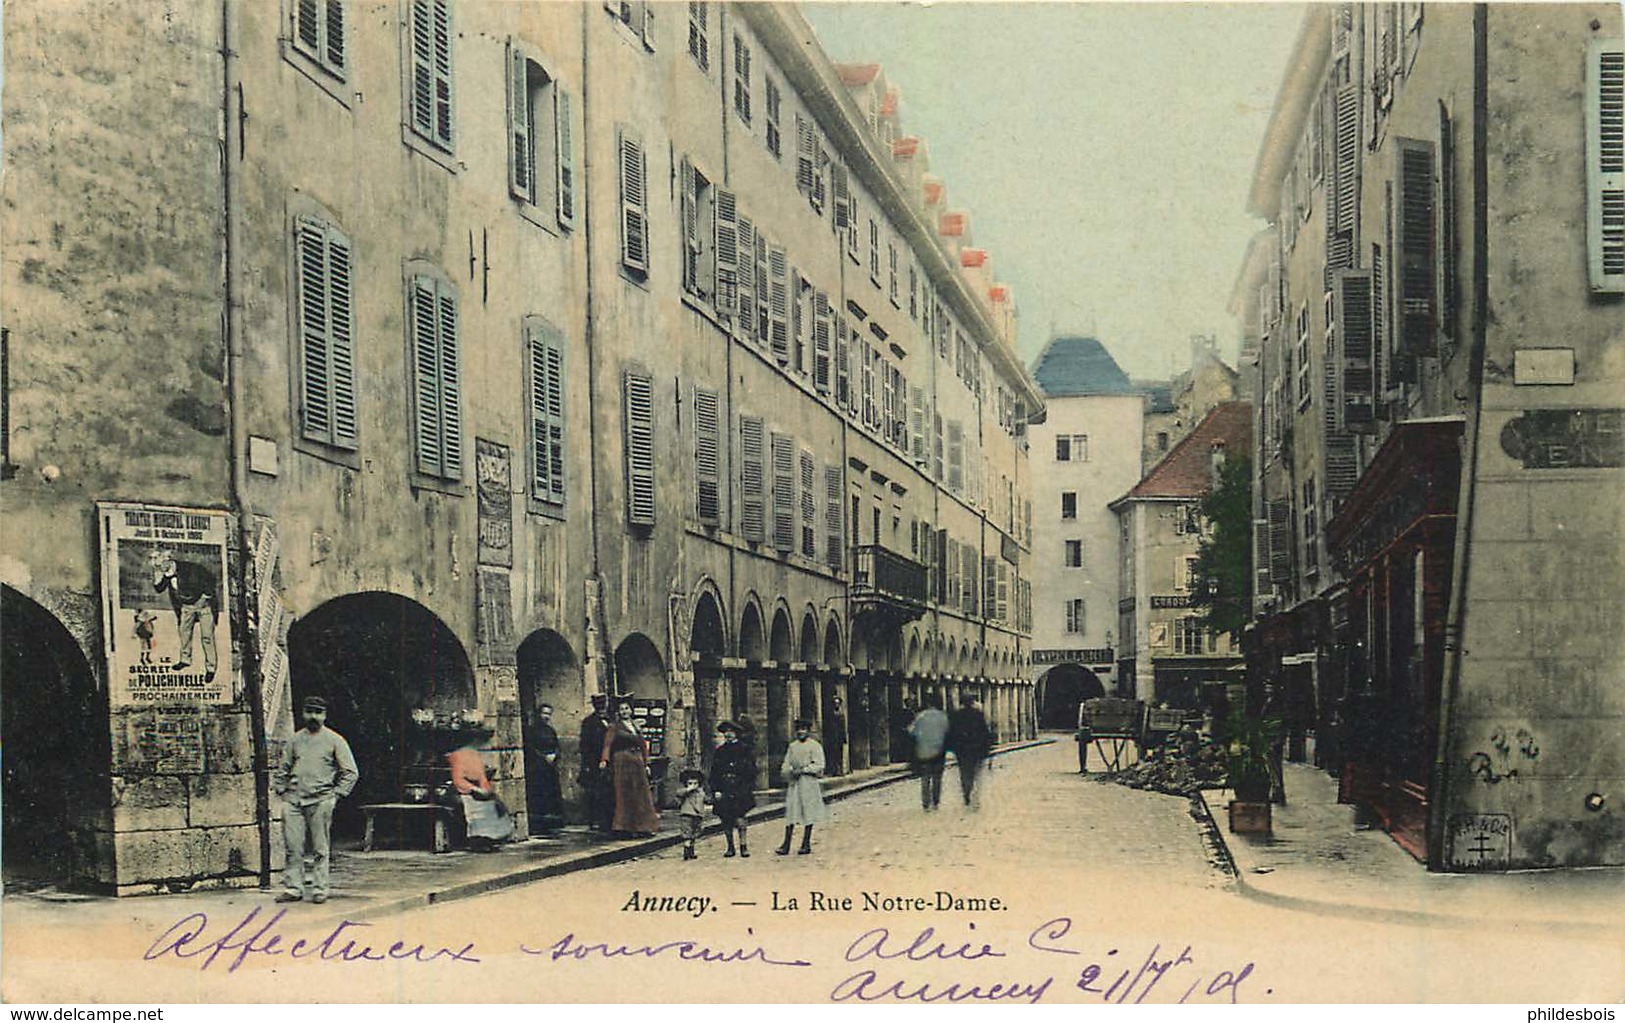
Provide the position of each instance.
(906, 146)
(973, 257)
(1187, 470)
(998, 293)
(952, 224)
(857, 74)
(888, 106)
(935, 192)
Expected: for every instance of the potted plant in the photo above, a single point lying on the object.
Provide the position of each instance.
(1248, 769)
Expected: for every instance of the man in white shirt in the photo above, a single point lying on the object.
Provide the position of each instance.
(316, 771)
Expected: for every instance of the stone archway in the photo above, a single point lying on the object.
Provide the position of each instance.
(780, 650)
(808, 704)
(57, 789)
(1061, 689)
(378, 658)
(708, 640)
(552, 696)
(832, 701)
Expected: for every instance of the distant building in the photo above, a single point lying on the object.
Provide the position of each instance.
(1436, 312)
(1086, 452)
(1174, 407)
(1168, 655)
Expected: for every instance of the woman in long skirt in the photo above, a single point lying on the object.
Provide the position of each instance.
(803, 795)
(626, 755)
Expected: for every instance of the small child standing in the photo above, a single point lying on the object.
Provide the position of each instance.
(144, 620)
(691, 805)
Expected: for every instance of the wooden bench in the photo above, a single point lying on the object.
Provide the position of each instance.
(401, 814)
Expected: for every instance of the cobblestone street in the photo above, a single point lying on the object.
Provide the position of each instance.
(1074, 884)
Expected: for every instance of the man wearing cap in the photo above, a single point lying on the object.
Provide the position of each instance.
(317, 770)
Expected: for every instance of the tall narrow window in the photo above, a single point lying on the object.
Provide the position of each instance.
(699, 39)
(1069, 504)
(430, 101)
(436, 378)
(1074, 554)
(638, 434)
(324, 275)
(707, 456)
(891, 286)
(752, 479)
(634, 172)
(1074, 615)
(742, 78)
(545, 349)
(1063, 447)
(809, 505)
(318, 33)
(698, 214)
(874, 252)
(784, 493)
(834, 487)
(541, 150)
(1605, 165)
(775, 139)
(823, 345)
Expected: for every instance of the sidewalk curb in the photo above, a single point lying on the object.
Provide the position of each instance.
(634, 849)
(1380, 914)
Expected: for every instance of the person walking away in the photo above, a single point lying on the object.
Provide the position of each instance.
(929, 730)
(600, 803)
(971, 740)
(733, 784)
(317, 770)
(691, 804)
(625, 758)
(835, 738)
(546, 797)
(803, 795)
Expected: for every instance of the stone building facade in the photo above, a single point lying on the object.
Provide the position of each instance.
(509, 354)
(1436, 311)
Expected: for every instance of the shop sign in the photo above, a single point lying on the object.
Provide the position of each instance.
(166, 607)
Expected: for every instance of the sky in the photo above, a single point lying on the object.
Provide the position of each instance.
(1105, 151)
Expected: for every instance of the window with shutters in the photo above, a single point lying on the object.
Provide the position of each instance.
(891, 285)
(1415, 270)
(437, 410)
(319, 32)
(1280, 541)
(956, 457)
(843, 365)
(834, 528)
(990, 585)
(808, 170)
(763, 286)
(937, 446)
(778, 270)
(823, 342)
(707, 456)
(870, 412)
(874, 252)
(541, 143)
(800, 321)
(545, 385)
(1074, 615)
(636, 18)
(633, 169)
(697, 207)
(638, 440)
(1074, 554)
(1302, 357)
(699, 37)
(752, 478)
(1310, 511)
(783, 454)
(809, 505)
(913, 293)
(916, 427)
(734, 242)
(324, 274)
(775, 138)
(1354, 398)
(1605, 165)
(1069, 504)
(429, 97)
(742, 78)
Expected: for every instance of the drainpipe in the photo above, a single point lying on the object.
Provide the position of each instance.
(594, 640)
(1461, 551)
(231, 185)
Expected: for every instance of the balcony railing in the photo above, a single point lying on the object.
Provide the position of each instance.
(883, 573)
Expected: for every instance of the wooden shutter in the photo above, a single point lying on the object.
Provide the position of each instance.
(888, 400)
(546, 353)
(843, 365)
(784, 486)
(451, 388)
(936, 450)
(326, 334)
(834, 529)
(341, 335)
(1280, 529)
(307, 27)
(726, 247)
(809, 505)
(1001, 608)
(1414, 264)
(798, 320)
(779, 303)
(822, 344)
(956, 457)
(521, 151)
(564, 148)
(1605, 165)
(1355, 398)
(745, 306)
(806, 155)
(753, 515)
(707, 445)
(640, 448)
(759, 328)
(634, 205)
(840, 185)
(917, 426)
(689, 218)
(431, 70)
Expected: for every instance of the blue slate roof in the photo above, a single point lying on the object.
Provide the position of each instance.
(1070, 366)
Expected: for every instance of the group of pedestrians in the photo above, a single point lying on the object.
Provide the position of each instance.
(964, 733)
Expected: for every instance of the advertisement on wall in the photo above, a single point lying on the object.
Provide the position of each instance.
(165, 605)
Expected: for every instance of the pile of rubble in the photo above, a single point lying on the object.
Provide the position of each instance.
(1183, 763)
